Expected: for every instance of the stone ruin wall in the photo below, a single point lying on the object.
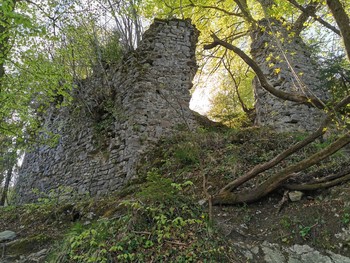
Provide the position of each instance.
(119, 113)
(116, 116)
(300, 75)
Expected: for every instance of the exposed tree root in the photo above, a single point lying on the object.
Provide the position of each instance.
(325, 182)
(279, 158)
(276, 180)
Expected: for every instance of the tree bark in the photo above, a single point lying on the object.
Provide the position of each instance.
(4, 38)
(307, 10)
(6, 186)
(343, 22)
(329, 181)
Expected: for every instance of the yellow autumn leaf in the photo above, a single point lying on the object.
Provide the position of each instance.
(277, 70)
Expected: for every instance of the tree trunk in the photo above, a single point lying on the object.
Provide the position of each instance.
(273, 182)
(3, 44)
(6, 186)
(343, 22)
(4, 37)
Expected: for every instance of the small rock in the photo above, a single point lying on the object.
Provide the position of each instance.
(272, 253)
(338, 258)
(37, 257)
(344, 235)
(255, 250)
(202, 202)
(295, 196)
(249, 256)
(90, 215)
(7, 235)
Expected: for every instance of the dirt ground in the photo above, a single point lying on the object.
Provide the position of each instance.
(315, 220)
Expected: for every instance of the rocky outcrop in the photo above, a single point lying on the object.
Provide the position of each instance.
(286, 62)
(115, 117)
(274, 253)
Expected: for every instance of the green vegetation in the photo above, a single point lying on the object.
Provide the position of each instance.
(142, 233)
(47, 47)
(233, 102)
(161, 224)
(346, 218)
(157, 216)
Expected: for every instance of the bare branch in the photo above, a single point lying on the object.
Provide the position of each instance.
(216, 8)
(314, 16)
(242, 4)
(228, 68)
(310, 9)
(307, 100)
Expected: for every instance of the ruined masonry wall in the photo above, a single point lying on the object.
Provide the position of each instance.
(116, 116)
(300, 76)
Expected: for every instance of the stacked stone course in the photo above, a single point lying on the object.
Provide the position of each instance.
(287, 63)
(116, 116)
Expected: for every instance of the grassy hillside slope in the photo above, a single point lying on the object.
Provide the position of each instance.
(165, 216)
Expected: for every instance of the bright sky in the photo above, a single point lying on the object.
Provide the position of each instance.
(205, 87)
(200, 101)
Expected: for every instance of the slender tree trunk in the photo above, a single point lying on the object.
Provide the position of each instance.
(3, 44)
(2, 177)
(6, 186)
(4, 38)
(343, 22)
